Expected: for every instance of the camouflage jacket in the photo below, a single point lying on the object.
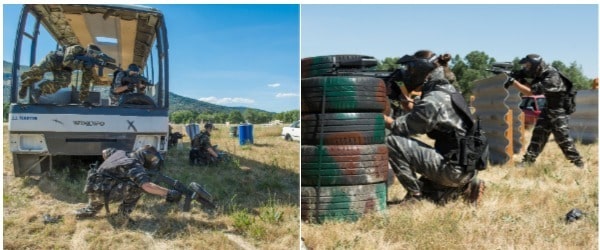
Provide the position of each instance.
(118, 168)
(548, 82)
(201, 141)
(433, 114)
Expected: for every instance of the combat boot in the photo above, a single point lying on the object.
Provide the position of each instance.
(473, 192)
(22, 92)
(408, 200)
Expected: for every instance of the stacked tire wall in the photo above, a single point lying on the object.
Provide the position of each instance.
(344, 159)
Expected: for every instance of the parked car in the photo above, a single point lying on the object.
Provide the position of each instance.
(291, 132)
(532, 107)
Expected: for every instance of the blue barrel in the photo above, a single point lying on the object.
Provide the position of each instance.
(245, 134)
(250, 135)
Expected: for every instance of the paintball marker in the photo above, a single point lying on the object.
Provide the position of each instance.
(99, 59)
(192, 192)
(507, 68)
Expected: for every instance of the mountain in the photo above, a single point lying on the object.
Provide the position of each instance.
(177, 102)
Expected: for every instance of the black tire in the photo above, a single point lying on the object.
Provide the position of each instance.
(341, 202)
(343, 153)
(343, 94)
(347, 61)
(288, 137)
(344, 165)
(376, 136)
(342, 119)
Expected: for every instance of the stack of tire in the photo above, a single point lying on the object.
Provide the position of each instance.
(344, 159)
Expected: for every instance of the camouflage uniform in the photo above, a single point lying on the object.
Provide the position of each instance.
(86, 68)
(119, 178)
(434, 115)
(61, 65)
(51, 63)
(200, 145)
(552, 119)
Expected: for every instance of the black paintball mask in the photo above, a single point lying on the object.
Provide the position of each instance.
(150, 157)
(416, 70)
(531, 65)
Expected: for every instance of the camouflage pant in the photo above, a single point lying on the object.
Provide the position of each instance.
(408, 156)
(201, 157)
(558, 125)
(126, 192)
(50, 87)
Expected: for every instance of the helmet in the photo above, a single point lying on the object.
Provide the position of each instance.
(133, 67)
(149, 156)
(208, 125)
(535, 61)
(108, 152)
(418, 66)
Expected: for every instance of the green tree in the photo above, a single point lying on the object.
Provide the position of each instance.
(182, 116)
(235, 117)
(389, 64)
(574, 73)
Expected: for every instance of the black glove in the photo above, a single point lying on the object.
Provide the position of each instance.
(173, 196)
(509, 82)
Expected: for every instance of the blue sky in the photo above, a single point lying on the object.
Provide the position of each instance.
(568, 33)
(231, 55)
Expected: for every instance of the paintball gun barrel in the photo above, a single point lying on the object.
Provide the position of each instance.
(507, 68)
(99, 59)
(192, 192)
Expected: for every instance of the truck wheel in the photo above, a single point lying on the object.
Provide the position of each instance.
(288, 137)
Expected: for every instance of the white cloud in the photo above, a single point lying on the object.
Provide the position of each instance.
(274, 85)
(226, 100)
(284, 95)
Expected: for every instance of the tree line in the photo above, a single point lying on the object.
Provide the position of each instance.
(234, 117)
(473, 67)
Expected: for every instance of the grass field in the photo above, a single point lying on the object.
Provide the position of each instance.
(521, 209)
(257, 194)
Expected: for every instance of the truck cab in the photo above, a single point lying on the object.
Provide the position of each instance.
(532, 107)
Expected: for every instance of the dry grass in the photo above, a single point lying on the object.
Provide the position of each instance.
(522, 209)
(257, 194)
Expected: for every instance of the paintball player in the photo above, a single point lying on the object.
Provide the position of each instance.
(124, 177)
(128, 81)
(433, 114)
(61, 64)
(553, 119)
(202, 151)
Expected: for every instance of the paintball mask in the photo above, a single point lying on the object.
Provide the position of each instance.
(531, 64)
(416, 70)
(150, 157)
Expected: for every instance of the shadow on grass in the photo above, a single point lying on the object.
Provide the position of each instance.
(165, 227)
